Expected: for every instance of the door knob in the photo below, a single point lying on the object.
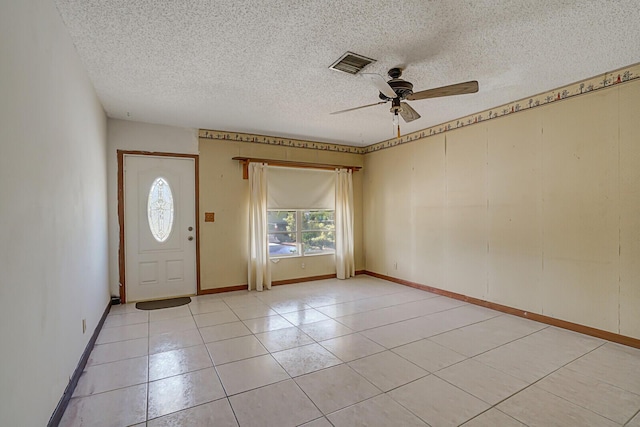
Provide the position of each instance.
(190, 228)
(190, 238)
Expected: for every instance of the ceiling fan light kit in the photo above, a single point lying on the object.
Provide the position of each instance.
(397, 90)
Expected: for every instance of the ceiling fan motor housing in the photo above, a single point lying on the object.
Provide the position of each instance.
(402, 88)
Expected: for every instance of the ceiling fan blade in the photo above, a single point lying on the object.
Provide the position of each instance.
(357, 108)
(408, 114)
(380, 84)
(456, 89)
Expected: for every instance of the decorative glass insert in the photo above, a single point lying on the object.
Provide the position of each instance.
(160, 209)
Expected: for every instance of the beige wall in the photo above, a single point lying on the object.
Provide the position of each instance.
(539, 210)
(224, 243)
(53, 211)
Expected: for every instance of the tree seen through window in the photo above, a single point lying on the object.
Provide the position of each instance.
(301, 232)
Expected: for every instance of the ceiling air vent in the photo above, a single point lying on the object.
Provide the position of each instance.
(351, 63)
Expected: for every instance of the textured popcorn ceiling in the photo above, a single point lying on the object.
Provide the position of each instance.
(262, 66)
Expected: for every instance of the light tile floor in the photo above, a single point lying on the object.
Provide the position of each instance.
(360, 352)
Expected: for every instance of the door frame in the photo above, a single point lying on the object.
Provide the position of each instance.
(121, 254)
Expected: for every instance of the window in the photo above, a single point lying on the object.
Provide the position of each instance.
(282, 233)
(301, 232)
(318, 232)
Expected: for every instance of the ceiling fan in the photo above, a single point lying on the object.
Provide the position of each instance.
(397, 90)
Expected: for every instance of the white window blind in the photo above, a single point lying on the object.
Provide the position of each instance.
(294, 188)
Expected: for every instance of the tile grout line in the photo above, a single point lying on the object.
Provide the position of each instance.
(567, 400)
(421, 338)
(632, 417)
(488, 350)
(399, 321)
(215, 369)
(224, 389)
(534, 383)
(496, 409)
(378, 308)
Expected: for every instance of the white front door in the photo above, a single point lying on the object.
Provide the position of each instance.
(160, 227)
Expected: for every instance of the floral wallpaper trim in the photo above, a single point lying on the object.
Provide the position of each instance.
(272, 140)
(604, 81)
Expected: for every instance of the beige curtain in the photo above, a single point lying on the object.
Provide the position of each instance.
(259, 266)
(345, 264)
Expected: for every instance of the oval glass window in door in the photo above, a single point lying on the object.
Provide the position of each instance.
(160, 209)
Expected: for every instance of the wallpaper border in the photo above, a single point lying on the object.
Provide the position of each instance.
(272, 140)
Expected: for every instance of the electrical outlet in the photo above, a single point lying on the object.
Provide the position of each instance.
(395, 265)
(84, 325)
(302, 265)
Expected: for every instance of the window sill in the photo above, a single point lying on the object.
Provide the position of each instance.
(273, 258)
